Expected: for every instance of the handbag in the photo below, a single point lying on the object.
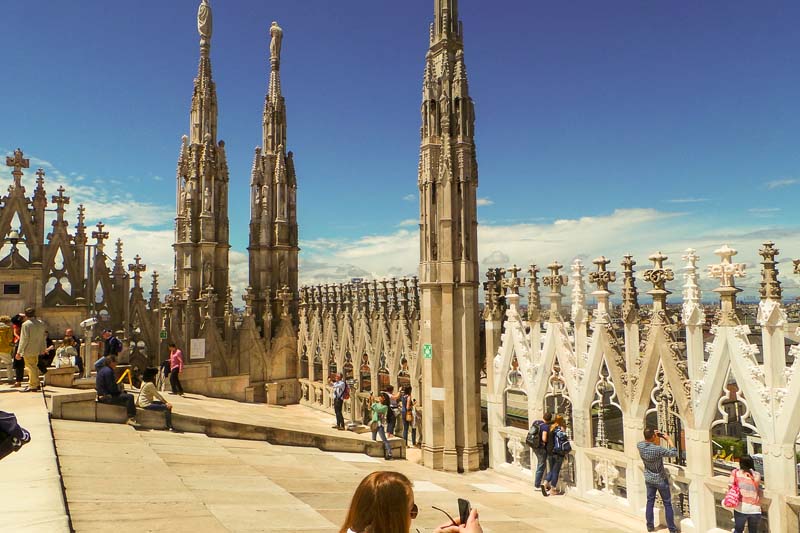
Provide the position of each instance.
(409, 416)
(733, 497)
(373, 426)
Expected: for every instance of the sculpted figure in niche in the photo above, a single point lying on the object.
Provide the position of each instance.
(265, 196)
(204, 20)
(207, 199)
(276, 33)
(207, 274)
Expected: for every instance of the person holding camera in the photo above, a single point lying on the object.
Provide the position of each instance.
(655, 475)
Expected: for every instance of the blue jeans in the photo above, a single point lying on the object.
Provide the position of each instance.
(666, 498)
(541, 464)
(554, 463)
(158, 406)
(740, 519)
(406, 425)
(380, 431)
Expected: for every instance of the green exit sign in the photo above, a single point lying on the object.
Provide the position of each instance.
(427, 351)
(163, 334)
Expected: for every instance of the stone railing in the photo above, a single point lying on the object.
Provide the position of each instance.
(719, 377)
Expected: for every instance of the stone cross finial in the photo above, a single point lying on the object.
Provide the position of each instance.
(630, 295)
(40, 174)
(285, 297)
(100, 235)
(602, 277)
(248, 298)
(770, 285)
(137, 268)
(555, 281)
(726, 271)
(512, 284)
(659, 276)
(534, 298)
(60, 202)
(18, 162)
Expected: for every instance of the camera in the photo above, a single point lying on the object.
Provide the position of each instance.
(89, 322)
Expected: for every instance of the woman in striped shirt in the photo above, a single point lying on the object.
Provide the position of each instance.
(749, 509)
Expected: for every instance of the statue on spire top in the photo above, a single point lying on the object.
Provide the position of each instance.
(276, 33)
(204, 20)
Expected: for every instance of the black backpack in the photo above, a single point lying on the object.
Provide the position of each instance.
(561, 443)
(534, 438)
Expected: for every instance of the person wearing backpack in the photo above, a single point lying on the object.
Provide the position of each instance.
(557, 446)
(536, 440)
(748, 512)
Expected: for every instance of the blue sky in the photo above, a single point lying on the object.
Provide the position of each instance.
(644, 125)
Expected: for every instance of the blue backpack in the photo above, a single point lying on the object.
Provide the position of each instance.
(561, 443)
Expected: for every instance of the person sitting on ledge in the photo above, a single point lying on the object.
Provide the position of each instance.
(108, 390)
(150, 398)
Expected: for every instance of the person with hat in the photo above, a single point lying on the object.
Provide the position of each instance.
(150, 398)
(32, 344)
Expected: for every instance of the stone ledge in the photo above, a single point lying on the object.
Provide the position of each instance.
(82, 406)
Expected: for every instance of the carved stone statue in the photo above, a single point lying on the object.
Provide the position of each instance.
(207, 274)
(207, 200)
(204, 20)
(265, 196)
(276, 33)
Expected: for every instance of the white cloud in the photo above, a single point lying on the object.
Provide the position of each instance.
(408, 222)
(774, 184)
(689, 200)
(484, 201)
(640, 232)
(763, 212)
(410, 197)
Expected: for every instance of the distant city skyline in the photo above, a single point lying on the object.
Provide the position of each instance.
(601, 129)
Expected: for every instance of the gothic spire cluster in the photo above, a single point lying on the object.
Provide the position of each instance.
(201, 222)
(273, 205)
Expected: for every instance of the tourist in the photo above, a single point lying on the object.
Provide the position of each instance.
(46, 359)
(7, 346)
(339, 388)
(394, 409)
(66, 354)
(655, 475)
(150, 398)
(384, 503)
(12, 435)
(554, 436)
(76, 343)
(748, 512)
(18, 362)
(108, 390)
(111, 346)
(32, 344)
(407, 413)
(541, 450)
(380, 408)
(175, 368)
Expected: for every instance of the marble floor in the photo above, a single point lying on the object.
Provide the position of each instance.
(121, 479)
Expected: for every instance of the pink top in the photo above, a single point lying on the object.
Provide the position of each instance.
(176, 360)
(749, 487)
